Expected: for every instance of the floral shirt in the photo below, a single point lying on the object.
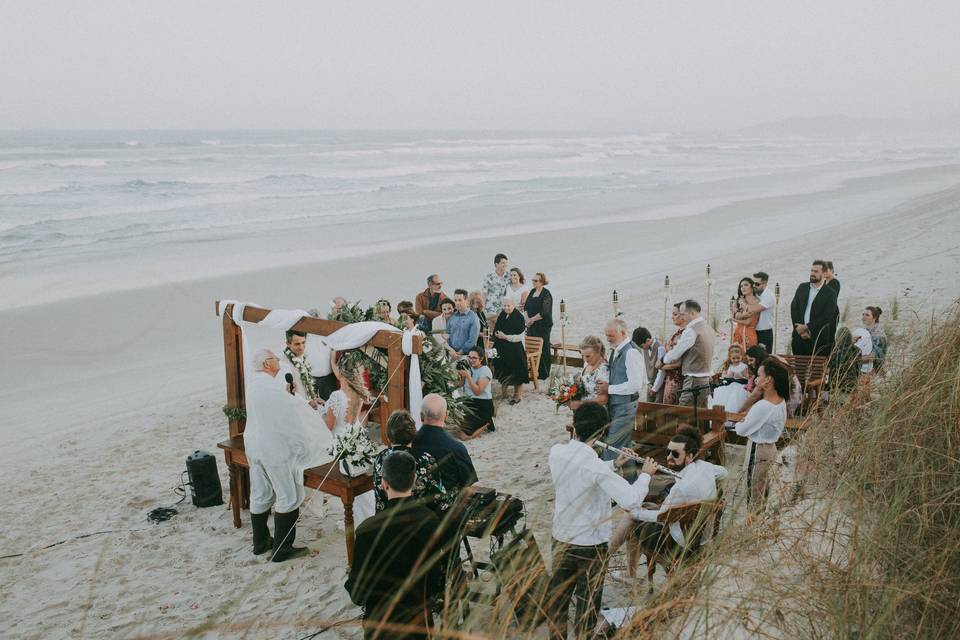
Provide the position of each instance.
(427, 481)
(494, 288)
(590, 380)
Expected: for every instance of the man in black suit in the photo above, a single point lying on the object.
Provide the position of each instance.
(397, 559)
(813, 312)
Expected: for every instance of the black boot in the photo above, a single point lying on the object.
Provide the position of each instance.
(262, 542)
(284, 533)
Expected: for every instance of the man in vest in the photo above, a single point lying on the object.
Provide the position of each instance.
(694, 350)
(628, 378)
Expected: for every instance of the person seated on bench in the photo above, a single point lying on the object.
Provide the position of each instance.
(284, 436)
(698, 483)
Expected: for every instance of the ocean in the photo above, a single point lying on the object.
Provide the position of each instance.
(89, 211)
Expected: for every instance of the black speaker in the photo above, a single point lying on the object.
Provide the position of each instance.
(205, 489)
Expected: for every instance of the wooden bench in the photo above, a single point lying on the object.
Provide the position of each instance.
(571, 352)
(656, 424)
(326, 478)
(534, 348)
(812, 372)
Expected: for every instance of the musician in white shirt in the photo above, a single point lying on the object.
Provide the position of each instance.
(582, 522)
(697, 483)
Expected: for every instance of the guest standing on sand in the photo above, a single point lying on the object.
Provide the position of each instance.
(495, 285)
(517, 289)
(463, 327)
(813, 312)
(283, 437)
(595, 370)
(652, 351)
(539, 312)
(672, 378)
(745, 318)
(871, 322)
(427, 303)
(627, 379)
(511, 362)
(694, 352)
(763, 426)
(765, 307)
(477, 304)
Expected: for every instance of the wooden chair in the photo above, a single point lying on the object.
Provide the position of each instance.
(694, 520)
(812, 373)
(534, 348)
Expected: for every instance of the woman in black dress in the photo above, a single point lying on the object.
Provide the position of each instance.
(511, 363)
(477, 303)
(539, 311)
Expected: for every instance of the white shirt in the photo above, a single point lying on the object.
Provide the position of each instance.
(687, 340)
(810, 297)
(661, 374)
(636, 372)
(584, 486)
(317, 355)
(698, 482)
(768, 301)
(864, 342)
(764, 422)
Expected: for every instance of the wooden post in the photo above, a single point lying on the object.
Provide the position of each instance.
(709, 285)
(563, 336)
(396, 373)
(233, 361)
(666, 297)
(776, 317)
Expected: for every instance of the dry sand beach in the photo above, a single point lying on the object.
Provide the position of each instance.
(104, 396)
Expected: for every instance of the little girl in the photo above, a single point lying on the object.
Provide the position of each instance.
(731, 392)
(734, 366)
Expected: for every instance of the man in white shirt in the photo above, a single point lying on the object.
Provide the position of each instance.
(582, 519)
(628, 377)
(694, 351)
(320, 358)
(294, 363)
(765, 306)
(697, 483)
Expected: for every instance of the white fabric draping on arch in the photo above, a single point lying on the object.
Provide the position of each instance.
(348, 337)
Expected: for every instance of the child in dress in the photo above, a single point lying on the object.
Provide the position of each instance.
(734, 367)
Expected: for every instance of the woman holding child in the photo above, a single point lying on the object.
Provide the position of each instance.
(745, 321)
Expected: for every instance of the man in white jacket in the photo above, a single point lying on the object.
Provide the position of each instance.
(283, 437)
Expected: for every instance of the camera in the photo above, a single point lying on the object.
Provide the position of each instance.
(463, 365)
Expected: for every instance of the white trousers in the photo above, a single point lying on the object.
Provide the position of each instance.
(278, 487)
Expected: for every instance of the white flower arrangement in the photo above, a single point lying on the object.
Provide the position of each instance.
(354, 447)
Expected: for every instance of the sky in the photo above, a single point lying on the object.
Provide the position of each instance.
(485, 64)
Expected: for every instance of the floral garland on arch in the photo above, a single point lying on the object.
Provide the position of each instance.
(306, 378)
(437, 374)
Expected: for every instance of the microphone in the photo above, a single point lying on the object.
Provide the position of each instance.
(289, 378)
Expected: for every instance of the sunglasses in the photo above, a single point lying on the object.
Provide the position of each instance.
(673, 453)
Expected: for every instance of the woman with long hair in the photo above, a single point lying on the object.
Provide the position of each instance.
(871, 322)
(763, 426)
(477, 302)
(516, 288)
(745, 321)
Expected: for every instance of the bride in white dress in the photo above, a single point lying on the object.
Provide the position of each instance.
(338, 413)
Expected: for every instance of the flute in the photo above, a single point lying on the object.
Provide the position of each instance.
(661, 468)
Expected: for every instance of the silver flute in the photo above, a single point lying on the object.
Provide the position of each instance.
(661, 468)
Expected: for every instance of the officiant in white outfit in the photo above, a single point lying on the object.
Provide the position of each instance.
(284, 436)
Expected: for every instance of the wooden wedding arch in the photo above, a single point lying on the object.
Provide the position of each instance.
(327, 477)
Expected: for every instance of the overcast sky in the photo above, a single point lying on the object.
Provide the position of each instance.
(480, 64)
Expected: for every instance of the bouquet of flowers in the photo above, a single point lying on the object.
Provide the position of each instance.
(564, 389)
(354, 448)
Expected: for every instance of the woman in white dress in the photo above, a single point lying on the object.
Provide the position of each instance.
(340, 411)
(594, 370)
(517, 289)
